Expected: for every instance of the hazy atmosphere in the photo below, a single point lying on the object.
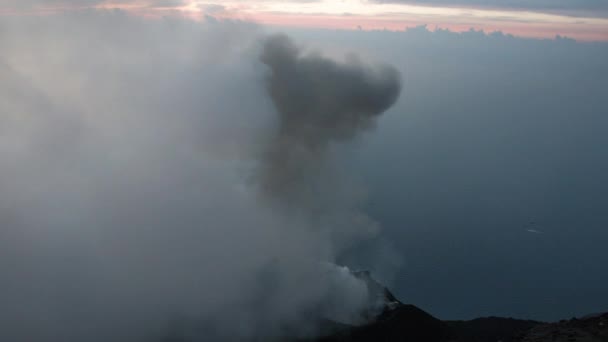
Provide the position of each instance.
(170, 167)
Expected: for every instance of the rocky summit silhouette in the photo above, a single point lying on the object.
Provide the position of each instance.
(390, 320)
(406, 322)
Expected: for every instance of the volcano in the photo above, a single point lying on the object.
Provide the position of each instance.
(405, 322)
(390, 320)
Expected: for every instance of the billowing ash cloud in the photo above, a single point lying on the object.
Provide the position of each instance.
(125, 201)
(319, 101)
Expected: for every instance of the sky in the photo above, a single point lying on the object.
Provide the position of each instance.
(581, 19)
(489, 174)
(162, 173)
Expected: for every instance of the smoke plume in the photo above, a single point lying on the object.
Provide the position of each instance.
(126, 208)
(319, 101)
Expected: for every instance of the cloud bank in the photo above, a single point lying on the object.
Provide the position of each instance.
(542, 5)
(582, 20)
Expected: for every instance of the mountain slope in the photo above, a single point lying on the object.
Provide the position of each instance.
(403, 322)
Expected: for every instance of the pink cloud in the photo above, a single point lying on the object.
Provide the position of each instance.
(523, 24)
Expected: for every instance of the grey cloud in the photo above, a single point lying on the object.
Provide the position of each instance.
(125, 195)
(212, 8)
(166, 3)
(319, 102)
(32, 4)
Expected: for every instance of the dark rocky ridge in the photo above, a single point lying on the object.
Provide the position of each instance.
(405, 322)
(390, 320)
(592, 328)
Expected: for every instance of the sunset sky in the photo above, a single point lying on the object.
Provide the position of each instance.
(225, 163)
(585, 20)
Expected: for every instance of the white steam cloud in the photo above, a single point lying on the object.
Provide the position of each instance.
(127, 149)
